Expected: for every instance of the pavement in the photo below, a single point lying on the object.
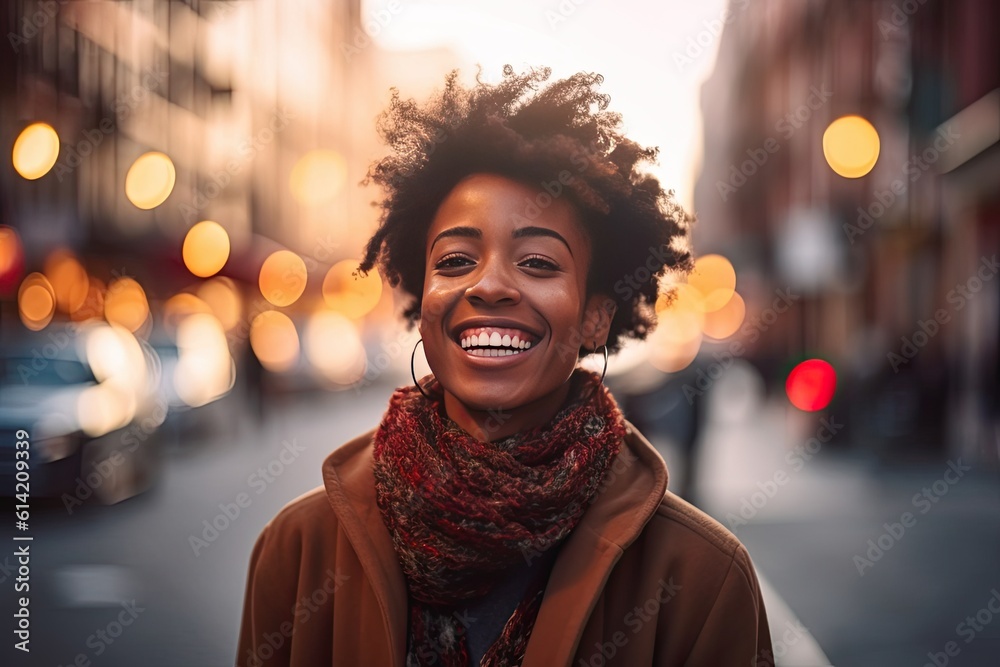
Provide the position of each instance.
(883, 564)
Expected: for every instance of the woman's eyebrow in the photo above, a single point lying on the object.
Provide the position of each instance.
(470, 232)
(540, 231)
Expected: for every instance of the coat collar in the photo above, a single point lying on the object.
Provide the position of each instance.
(624, 503)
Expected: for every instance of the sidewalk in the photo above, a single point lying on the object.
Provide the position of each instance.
(880, 566)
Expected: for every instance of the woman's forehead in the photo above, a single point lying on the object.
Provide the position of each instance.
(484, 205)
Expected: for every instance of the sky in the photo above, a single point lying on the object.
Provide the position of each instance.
(654, 56)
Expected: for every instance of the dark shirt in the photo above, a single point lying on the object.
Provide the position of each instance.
(487, 616)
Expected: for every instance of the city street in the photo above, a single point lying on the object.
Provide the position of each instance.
(187, 584)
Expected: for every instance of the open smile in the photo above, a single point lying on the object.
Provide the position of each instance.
(496, 345)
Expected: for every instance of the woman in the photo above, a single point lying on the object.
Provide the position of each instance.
(505, 512)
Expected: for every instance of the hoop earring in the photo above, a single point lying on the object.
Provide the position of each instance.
(605, 371)
(413, 373)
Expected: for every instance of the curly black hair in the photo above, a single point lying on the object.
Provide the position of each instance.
(552, 136)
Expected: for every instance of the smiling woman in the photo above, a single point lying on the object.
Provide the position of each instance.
(504, 511)
(489, 280)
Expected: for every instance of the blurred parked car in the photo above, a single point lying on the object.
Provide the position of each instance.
(89, 407)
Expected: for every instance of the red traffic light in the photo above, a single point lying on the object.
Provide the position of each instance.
(811, 384)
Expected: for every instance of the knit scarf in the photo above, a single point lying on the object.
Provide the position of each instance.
(462, 512)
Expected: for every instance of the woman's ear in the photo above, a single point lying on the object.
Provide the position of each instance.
(597, 316)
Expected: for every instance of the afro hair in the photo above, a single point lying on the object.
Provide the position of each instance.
(557, 135)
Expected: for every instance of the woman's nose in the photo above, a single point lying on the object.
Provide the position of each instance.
(493, 284)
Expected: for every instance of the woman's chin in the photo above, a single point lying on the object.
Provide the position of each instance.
(487, 396)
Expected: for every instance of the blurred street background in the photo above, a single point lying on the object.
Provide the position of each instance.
(181, 212)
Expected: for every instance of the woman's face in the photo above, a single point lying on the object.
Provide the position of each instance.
(504, 309)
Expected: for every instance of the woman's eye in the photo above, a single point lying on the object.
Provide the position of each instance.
(539, 263)
(451, 262)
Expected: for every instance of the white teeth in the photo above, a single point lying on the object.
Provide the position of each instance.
(483, 352)
(494, 340)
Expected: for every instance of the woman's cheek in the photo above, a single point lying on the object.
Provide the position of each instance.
(435, 301)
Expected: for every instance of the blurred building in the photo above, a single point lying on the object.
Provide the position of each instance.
(237, 94)
(259, 116)
(895, 269)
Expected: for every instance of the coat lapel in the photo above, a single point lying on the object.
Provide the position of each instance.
(350, 486)
(632, 492)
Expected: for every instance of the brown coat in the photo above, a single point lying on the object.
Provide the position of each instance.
(644, 579)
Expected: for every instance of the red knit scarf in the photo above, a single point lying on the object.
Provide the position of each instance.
(462, 512)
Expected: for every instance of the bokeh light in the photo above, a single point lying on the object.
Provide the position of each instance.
(125, 304)
(36, 301)
(119, 365)
(811, 384)
(350, 296)
(680, 320)
(223, 298)
(726, 321)
(205, 370)
(104, 407)
(680, 317)
(282, 278)
(93, 303)
(150, 180)
(274, 340)
(180, 306)
(11, 259)
(851, 146)
(318, 177)
(69, 280)
(333, 346)
(668, 354)
(714, 277)
(206, 248)
(35, 150)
